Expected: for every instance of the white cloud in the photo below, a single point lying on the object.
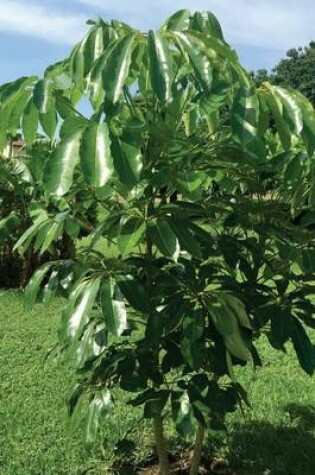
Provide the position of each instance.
(276, 25)
(40, 22)
(269, 24)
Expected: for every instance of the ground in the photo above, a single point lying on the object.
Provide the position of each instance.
(275, 437)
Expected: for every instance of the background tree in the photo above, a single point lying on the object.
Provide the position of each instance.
(296, 70)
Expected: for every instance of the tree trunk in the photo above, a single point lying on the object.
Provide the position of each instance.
(196, 458)
(164, 465)
(161, 446)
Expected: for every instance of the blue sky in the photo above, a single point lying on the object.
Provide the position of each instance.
(35, 33)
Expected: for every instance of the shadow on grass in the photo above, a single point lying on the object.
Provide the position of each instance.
(259, 448)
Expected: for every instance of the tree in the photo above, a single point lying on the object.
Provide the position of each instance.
(296, 70)
(194, 281)
(25, 206)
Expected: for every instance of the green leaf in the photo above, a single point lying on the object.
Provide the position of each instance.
(238, 307)
(72, 125)
(34, 284)
(42, 95)
(190, 184)
(155, 405)
(161, 71)
(64, 106)
(116, 68)
(226, 323)
(113, 307)
(58, 174)
(186, 238)
(8, 224)
(199, 59)
(245, 115)
(77, 63)
(92, 49)
(96, 158)
(190, 119)
(30, 122)
(165, 239)
(131, 235)
(308, 261)
(281, 324)
(304, 349)
(154, 328)
(48, 121)
(25, 239)
(80, 304)
(51, 235)
(17, 110)
(192, 343)
(179, 21)
(293, 173)
(3, 128)
(95, 81)
(282, 126)
(182, 413)
(101, 404)
(292, 108)
(206, 22)
(127, 159)
(308, 114)
(50, 289)
(135, 294)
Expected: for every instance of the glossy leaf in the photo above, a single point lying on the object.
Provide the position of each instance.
(182, 413)
(95, 80)
(25, 239)
(131, 234)
(80, 305)
(34, 285)
(292, 108)
(117, 66)
(113, 307)
(179, 21)
(165, 239)
(95, 153)
(308, 114)
(185, 237)
(101, 404)
(93, 47)
(227, 325)
(304, 349)
(72, 125)
(30, 122)
(245, 115)
(206, 22)
(51, 235)
(135, 293)
(282, 127)
(127, 159)
(161, 71)
(196, 51)
(48, 121)
(42, 95)
(58, 174)
(7, 225)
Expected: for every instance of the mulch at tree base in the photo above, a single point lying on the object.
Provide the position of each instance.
(180, 466)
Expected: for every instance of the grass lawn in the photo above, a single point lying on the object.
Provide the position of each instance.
(276, 437)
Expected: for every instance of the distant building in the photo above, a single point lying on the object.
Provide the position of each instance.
(13, 148)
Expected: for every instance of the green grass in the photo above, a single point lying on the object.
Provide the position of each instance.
(276, 437)
(34, 439)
